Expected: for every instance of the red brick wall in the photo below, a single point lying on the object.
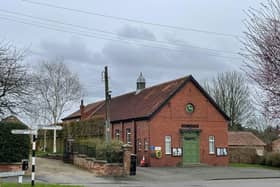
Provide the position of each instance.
(276, 146)
(142, 134)
(10, 167)
(102, 168)
(169, 119)
(122, 126)
(114, 127)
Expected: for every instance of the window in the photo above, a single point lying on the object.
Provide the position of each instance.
(146, 145)
(211, 144)
(168, 145)
(128, 136)
(117, 134)
(139, 144)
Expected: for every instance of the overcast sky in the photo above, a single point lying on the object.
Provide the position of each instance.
(88, 42)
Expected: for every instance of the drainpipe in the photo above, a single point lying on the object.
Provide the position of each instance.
(135, 137)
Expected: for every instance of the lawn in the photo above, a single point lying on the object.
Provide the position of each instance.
(241, 165)
(36, 185)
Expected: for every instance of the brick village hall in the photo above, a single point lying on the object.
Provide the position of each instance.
(168, 124)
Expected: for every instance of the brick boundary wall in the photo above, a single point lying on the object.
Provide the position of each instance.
(102, 168)
(4, 167)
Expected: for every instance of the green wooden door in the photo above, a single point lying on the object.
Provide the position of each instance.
(191, 148)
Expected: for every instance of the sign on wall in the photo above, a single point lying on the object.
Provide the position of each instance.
(222, 151)
(158, 148)
(152, 148)
(176, 151)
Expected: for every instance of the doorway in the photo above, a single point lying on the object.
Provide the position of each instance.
(191, 154)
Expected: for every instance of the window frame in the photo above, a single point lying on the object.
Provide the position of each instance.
(117, 134)
(128, 136)
(139, 145)
(146, 144)
(168, 150)
(211, 144)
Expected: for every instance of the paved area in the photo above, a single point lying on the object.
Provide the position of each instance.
(54, 171)
(221, 183)
(203, 173)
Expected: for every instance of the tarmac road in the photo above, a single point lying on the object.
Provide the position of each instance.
(55, 171)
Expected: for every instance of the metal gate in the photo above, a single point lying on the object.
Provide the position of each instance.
(68, 153)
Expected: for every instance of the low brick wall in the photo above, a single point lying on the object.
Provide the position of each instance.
(101, 167)
(4, 167)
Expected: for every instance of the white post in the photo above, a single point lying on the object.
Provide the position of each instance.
(45, 140)
(20, 179)
(54, 140)
(33, 161)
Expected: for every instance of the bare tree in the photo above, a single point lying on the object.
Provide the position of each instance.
(55, 89)
(231, 93)
(262, 53)
(14, 79)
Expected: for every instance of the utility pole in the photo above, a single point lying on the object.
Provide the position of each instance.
(107, 106)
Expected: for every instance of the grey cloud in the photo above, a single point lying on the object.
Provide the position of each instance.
(154, 59)
(125, 62)
(75, 49)
(129, 31)
(81, 60)
(158, 65)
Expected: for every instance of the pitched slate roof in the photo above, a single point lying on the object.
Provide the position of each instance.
(141, 105)
(244, 139)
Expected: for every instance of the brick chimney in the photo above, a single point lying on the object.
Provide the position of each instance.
(82, 110)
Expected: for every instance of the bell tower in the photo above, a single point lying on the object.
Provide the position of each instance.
(140, 83)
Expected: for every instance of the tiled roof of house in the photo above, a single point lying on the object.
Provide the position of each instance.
(140, 105)
(12, 119)
(88, 110)
(244, 139)
(277, 141)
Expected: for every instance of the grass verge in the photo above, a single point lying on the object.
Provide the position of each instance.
(37, 185)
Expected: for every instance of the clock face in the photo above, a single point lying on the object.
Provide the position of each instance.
(190, 108)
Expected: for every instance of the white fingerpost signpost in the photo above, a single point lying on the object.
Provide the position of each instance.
(34, 133)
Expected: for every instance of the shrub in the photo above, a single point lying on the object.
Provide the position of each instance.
(91, 142)
(13, 148)
(242, 155)
(275, 159)
(98, 148)
(272, 159)
(268, 159)
(110, 152)
(259, 160)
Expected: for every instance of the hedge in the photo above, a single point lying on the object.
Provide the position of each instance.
(79, 130)
(13, 148)
(242, 155)
(99, 149)
(269, 159)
